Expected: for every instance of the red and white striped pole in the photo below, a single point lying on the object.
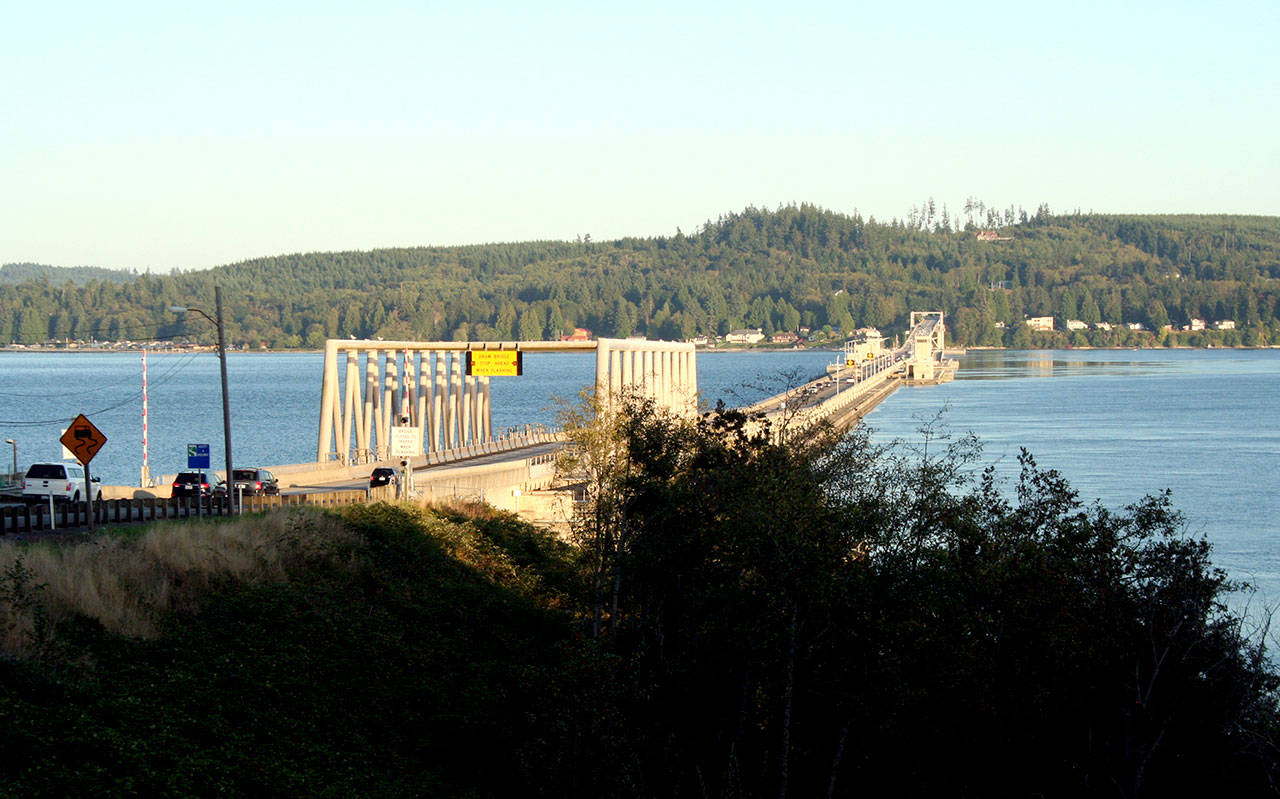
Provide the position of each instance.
(146, 469)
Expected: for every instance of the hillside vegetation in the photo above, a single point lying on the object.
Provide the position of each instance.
(777, 270)
(735, 618)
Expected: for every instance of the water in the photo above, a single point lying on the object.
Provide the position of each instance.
(1123, 424)
(1117, 424)
(275, 401)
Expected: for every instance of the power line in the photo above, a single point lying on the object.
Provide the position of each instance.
(133, 397)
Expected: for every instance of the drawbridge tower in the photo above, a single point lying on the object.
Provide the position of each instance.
(371, 388)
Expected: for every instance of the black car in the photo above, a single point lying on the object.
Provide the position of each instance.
(384, 475)
(192, 484)
(253, 482)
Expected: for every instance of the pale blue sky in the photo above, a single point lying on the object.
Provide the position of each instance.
(185, 135)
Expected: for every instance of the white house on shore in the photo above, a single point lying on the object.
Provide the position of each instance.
(750, 336)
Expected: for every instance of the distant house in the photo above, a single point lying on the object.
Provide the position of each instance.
(749, 336)
(1102, 325)
(578, 334)
(784, 337)
(1040, 323)
(1196, 324)
(1224, 324)
(1076, 324)
(1136, 326)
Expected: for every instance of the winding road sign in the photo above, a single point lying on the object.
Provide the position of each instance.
(83, 439)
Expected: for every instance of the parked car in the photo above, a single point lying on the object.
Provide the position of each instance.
(193, 484)
(62, 481)
(384, 475)
(254, 482)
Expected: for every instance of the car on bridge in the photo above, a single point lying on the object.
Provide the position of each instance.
(193, 484)
(384, 475)
(255, 482)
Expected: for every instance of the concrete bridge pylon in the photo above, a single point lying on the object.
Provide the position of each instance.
(424, 385)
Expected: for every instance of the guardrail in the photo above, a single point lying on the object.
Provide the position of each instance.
(74, 517)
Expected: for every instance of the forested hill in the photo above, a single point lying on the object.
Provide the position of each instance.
(785, 269)
(80, 275)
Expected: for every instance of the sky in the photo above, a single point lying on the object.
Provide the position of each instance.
(182, 135)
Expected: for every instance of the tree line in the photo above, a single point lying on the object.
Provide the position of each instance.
(801, 613)
(785, 269)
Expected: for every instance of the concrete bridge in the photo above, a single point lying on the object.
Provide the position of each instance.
(417, 404)
(427, 405)
(864, 376)
(431, 399)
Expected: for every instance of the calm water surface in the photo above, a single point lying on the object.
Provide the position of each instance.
(1121, 424)
(1117, 424)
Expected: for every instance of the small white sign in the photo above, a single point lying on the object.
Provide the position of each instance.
(406, 442)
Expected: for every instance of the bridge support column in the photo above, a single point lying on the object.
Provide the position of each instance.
(452, 411)
(663, 371)
(424, 390)
(330, 414)
(365, 445)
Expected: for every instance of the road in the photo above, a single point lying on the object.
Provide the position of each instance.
(425, 471)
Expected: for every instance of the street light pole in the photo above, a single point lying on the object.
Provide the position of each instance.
(15, 457)
(222, 359)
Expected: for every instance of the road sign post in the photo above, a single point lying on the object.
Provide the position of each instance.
(84, 440)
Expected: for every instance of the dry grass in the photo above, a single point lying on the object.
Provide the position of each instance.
(128, 584)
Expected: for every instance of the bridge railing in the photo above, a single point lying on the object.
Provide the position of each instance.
(74, 517)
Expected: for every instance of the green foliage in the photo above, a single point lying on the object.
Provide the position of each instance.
(817, 616)
(759, 613)
(770, 269)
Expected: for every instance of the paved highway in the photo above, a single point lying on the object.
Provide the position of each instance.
(425, 471)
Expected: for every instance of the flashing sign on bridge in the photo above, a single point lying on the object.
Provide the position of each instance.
(197, 456)
(406, 442)
(82, 439)
(495, 363)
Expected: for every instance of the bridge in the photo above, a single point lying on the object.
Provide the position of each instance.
(417, 404)
(428, 399)
(866, 373)
(427, 405)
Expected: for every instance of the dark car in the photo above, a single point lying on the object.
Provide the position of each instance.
(384, 475)
(253, 482)
(192, 484)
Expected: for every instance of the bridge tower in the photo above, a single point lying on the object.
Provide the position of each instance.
(663, 371)
(425, 384)
(926, 344)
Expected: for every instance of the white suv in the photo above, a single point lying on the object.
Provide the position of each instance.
(62, 481)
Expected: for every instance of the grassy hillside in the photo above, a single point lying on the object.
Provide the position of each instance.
(783, 269)
(387, 652)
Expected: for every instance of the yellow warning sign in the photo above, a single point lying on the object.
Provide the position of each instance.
(495, 363)
(83, 439)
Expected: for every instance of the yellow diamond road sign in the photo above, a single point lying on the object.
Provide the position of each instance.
(83, 439)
